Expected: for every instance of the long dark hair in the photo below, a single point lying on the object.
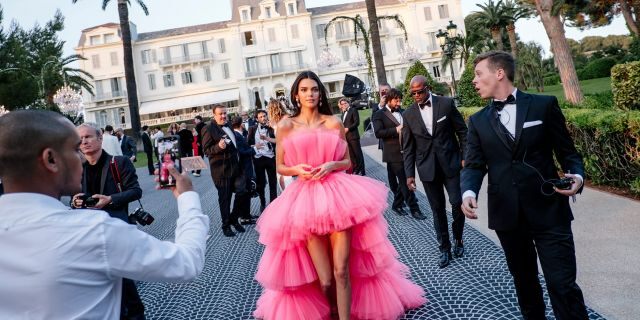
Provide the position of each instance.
(324, 107)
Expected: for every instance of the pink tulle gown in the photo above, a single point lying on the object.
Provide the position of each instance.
(380, 288)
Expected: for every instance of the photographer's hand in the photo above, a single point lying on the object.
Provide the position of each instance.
(76, 202)
(575, 186)
(103, 201)
(183, 183)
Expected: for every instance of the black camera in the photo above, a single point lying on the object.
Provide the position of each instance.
(563, 184)
(88, 201)
(141, 217)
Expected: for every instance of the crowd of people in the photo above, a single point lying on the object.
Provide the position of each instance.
(327, 253)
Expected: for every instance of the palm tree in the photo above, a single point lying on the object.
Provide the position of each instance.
(462, 51)
(60, 74)
(549, 12)
(530, 67)
(514, 12)
(132, 91)
(375, 41)
(495, 18)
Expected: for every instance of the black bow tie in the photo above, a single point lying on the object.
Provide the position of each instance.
(426, 104)
(499, 105)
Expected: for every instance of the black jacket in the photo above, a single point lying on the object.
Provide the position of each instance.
(186, 142)
(246, 153)
(352, 121)
(224, 163)
(146, 142)
(251, 137)
(513, 185)
(384, 125)
(445, 145)
(119, 207)
(128, 146)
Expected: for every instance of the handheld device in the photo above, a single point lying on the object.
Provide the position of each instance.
(169, 152)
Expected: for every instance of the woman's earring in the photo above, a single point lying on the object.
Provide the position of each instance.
(320, 103)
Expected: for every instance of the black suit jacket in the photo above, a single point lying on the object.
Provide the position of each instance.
(246, 153)
(384, 125)
(251, 136)
(224, 163)
(445, 145)
(119, 206)
(128, 146)
(146, 142)
(513, 185)
(352, 121)
(186, 141)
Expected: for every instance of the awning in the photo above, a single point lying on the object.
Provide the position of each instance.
(190, 101)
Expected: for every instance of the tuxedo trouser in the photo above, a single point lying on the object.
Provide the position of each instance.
(131, 306)
(201, 156)
(242, 205)
(225, 193)
(262, 166)
(556, 251)
(150, 162)
(398, 185)
(435, 193)
(357, 158)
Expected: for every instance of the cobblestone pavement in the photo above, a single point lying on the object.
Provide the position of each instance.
(477, 286)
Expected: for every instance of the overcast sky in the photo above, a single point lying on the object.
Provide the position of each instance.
(167, 14)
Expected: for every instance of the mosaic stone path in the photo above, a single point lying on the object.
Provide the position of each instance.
(478, 286)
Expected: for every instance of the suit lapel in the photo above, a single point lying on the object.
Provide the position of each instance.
(391, 117)
(435, 104)
(492, 117)
(523, 101)
(417, 117)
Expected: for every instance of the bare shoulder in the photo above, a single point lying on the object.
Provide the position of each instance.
(332, 122)
(284, 126)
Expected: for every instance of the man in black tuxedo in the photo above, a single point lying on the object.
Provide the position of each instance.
(247, 123)
(515, 139)
(127, 145)
(199, 126)
(388, 125)
(218, 142)
(351, 121)
(148, 148)
(383, 88)
(263, 139)
(242, 184)
(433, 139)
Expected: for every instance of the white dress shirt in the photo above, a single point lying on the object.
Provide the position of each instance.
(395, 114)
(59, 263)
(264, 151)
(427, 115)
(111, 145)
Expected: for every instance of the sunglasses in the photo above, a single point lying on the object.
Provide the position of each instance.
(419, 92)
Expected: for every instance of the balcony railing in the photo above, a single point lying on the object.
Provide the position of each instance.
(334, 95)
(183, 117)
(276, 70)
(109, 96)
(186, 59)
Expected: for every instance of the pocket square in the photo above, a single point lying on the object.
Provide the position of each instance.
(531, 124)
(440, 120)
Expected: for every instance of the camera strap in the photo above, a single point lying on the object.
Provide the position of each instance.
(115, 173)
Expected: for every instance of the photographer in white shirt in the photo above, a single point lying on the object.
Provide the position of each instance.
(63, 264)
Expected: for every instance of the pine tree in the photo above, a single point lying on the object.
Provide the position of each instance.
(466, 90)
(416, 69)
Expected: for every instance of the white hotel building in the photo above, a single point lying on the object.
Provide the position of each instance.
(256, 55)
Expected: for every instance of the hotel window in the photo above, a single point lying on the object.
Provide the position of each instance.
(187, 77)
(443, 11)
(207, 73)
(205, 50)
(400, 44)
(427, 13)
(436, 71)
(94, 40)
(168, 79)
(245, 15)
(225, 70)
(146, 56)
(221, 45)
(109, 37)
(294, 31)
(152, 81)
(249, 38)
(267, 12)
(272, 34)
(383, 48)
(95, 61)
(299, 59)
(114, 58)
(432, 43)
(291, 9)
(345, 53)
(333, 86)
(320, 30)
(251, 65)
(275, 62)
(185, 51)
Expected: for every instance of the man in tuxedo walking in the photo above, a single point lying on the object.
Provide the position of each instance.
(388, 125)
(263, 138)
(433, 140)
(218, 142)
(351, 121)
(515, 139)
(148, 148)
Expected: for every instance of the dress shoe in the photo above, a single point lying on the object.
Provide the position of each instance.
(238, 227)
(399, 211)
(247, 221)
(227, 231)
(458, 249)
(418, 215)
(445, 259)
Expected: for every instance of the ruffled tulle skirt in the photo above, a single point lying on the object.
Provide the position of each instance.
(380, 288)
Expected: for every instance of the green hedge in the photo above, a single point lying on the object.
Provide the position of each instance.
(467, 93)
(609, 142)
(598, 68)
(625, 84)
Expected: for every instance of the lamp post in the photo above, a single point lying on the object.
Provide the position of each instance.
(447, 40)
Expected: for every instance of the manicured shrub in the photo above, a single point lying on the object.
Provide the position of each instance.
(625, 84)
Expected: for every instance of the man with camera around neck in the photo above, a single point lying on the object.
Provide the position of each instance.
(514, 140)
(101, 175)
(68, 264)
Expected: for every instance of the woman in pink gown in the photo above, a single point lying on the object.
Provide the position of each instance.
(325, 237)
